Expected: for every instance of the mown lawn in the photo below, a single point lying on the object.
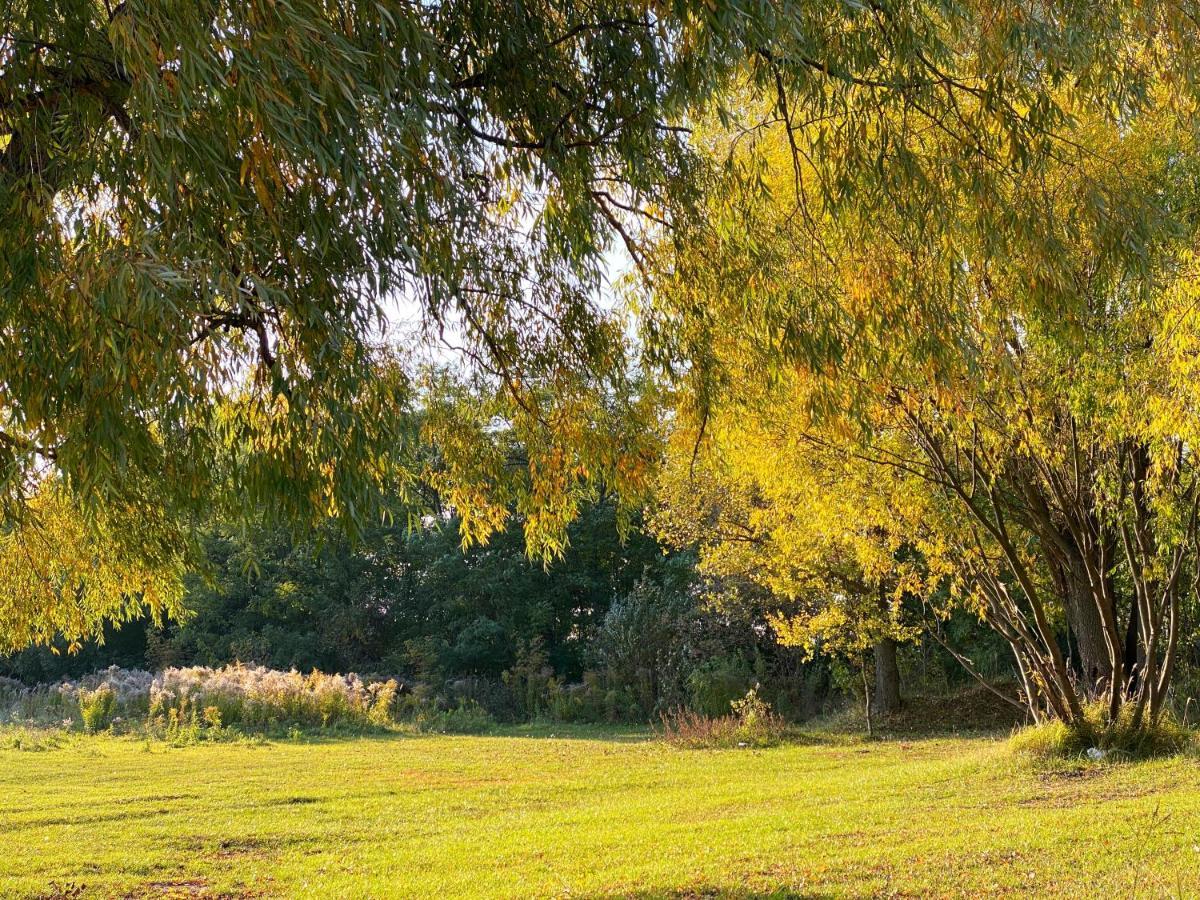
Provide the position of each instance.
(587, 813)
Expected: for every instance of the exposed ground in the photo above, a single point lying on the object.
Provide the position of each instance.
(584, 813)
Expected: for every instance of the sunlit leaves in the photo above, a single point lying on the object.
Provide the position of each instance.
(1004, 389)
(210, 209)
(67, 575)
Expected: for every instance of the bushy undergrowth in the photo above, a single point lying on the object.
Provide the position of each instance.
(466, 718)
(1098, 739)
(750, 723)
(258, 697)
(181, 699)
(94, 702)
(97, 708)
(34, 740)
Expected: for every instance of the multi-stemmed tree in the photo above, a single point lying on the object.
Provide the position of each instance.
(1020, 407)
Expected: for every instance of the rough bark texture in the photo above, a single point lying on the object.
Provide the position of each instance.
(1087, 628)
(887, 679)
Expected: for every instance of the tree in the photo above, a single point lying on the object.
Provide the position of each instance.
(64, 575)
(209, 206)
(1016, 400)
(783, 526)
(396, 599)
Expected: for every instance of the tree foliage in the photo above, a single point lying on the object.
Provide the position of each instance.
(1006, 396)
(210, 208)
(403, 601)
(785, 527)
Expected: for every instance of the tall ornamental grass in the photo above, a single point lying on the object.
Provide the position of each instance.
(237, 695)
(257, 697)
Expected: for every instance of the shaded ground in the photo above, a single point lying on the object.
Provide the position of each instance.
(582, 815)
(976, 709)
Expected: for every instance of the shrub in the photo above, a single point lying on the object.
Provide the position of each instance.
(640, 645)
(178, 699)
(257, 697)
(687, 728)
(756, 723)
(716, 683)
(493, 694)
(383, 700)
(583, 702)
(752, 723)
(212, 717)
(1116, 740)
(97, 707)
(531, 681)
(466, 718)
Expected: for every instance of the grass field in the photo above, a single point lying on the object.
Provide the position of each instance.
(583, 814)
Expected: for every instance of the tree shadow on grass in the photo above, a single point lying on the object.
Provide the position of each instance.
(533, 731)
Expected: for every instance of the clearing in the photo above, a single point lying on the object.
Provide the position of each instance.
(583, 813)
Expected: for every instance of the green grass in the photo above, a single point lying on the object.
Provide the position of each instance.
(581, 813)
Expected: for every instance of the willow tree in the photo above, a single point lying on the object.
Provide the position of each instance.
(1020, 387)
(209, 208)
(784, 525)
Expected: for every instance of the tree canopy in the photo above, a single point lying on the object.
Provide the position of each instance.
(1019, 414)
(211, 208)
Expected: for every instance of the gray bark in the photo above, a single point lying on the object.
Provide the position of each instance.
(1083, 618)
(887, 679)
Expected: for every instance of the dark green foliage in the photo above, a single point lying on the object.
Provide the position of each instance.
(613, 631)
(410, 602)
(645, 644)
(715, 683)
(125, 646)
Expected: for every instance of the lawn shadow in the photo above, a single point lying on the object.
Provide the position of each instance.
(535, 731)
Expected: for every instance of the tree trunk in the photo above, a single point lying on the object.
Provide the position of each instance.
(1133, 651)
(1083, 617)
(887, 679)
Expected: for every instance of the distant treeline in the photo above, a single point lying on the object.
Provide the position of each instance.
(615, 630)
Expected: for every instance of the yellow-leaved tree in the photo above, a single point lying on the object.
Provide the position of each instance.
(795, 529)
(1018, 408)
(65, 572)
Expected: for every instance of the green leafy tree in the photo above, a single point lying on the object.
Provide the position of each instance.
(394, 595)
(209, 207)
